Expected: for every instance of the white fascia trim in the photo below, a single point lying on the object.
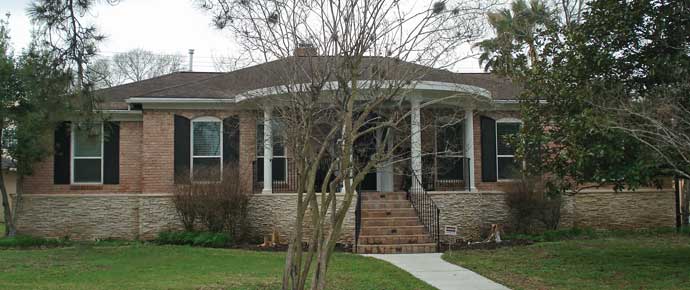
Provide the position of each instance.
(127, 111)
(144, 100)
(365, 84)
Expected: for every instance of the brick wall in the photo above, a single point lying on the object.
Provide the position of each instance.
(41, 181)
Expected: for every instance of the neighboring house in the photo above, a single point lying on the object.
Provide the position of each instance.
(120, 186)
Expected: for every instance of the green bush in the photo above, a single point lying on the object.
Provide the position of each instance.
(198, 239)
(28, 242)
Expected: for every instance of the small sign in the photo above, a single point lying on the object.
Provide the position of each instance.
(451, 231)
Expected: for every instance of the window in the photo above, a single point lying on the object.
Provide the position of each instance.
(449, 150)
(506, 164)
(279, 171)
(87, 153)
(207, 149)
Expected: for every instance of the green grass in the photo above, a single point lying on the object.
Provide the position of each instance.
(643, 261)
(141, 266)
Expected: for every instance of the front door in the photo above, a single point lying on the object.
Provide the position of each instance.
(365, 147)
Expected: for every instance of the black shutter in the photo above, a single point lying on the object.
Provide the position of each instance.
(181, 147)
(488, 138)
(111, 153)
(61, 156)
(231, 141)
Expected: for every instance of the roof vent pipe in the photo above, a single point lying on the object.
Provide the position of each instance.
(191, 59)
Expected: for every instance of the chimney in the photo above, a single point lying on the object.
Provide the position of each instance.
(305, 49)
(191, 60)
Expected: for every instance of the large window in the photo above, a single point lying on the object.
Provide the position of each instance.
(87, 153)
(507, 166)
(449, 150)
(279, 162)
(207, 149)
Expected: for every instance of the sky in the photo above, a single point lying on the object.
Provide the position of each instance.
(160, 26)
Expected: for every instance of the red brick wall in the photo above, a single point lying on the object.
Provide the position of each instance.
(158, 152)
(159, 129)
(41, 181)
(247, 149)
(147, 155)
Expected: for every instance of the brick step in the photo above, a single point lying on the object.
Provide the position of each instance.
(386, 204)
(380, 222)
(381, 213)
(393, 230)
(397, 249)
(384, 196)
(394, 239)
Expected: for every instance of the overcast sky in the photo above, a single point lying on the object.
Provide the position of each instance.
(161, 26)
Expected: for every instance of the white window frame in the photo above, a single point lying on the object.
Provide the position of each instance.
(508, 120)
(191, 146)
(260, 154)
(460, 155)
(73, 135)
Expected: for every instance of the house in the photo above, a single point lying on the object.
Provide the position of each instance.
(120, 186)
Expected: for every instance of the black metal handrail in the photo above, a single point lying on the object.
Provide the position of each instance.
(434, 182)
(358, 219)
(426, 209)
(287, 180)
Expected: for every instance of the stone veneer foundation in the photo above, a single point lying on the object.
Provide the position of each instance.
(142, 216)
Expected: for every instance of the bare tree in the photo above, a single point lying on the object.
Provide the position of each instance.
(132, 66)
(227, 63)
(356, 63)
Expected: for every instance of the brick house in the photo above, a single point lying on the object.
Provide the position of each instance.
(117, 181)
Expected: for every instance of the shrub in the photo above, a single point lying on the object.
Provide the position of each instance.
(218, 206)
(533, 210)
(21, 241)
(199, 239)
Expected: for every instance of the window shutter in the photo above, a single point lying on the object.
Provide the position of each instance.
(111, 153)
(61, 156)
(181, 147)
(231, 141)
(488, 139)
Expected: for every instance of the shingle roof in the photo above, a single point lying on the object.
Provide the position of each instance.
(291, 70)
(114, 97)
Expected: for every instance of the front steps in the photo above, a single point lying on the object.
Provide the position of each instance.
(390, 226)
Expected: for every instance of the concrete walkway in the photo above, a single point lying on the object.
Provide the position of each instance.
(432, 269)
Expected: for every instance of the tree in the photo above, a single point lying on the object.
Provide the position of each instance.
(133, 66)
(515, 46)
(612, 93)
(356, 64)
(44, 86)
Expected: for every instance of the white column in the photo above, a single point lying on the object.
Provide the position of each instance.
(268, 151)
(469, 146)
(416, 140)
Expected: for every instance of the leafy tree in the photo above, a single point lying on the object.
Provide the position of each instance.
(45, 85)
(611, 92)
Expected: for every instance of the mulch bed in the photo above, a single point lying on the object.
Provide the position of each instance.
(284, 247)
(465, 245)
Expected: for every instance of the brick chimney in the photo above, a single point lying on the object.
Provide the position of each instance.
(305, 49)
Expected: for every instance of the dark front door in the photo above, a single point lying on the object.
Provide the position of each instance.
(364, 148)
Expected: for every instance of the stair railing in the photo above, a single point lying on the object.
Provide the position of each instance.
(426, 209)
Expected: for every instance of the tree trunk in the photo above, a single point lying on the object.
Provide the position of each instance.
(10, 229)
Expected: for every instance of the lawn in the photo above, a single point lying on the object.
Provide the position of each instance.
(141, 266)
(659, 261)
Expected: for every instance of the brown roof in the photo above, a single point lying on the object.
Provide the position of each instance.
(114, 97)
(293, 70)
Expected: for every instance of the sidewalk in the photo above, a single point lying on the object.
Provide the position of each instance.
(431, 269)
